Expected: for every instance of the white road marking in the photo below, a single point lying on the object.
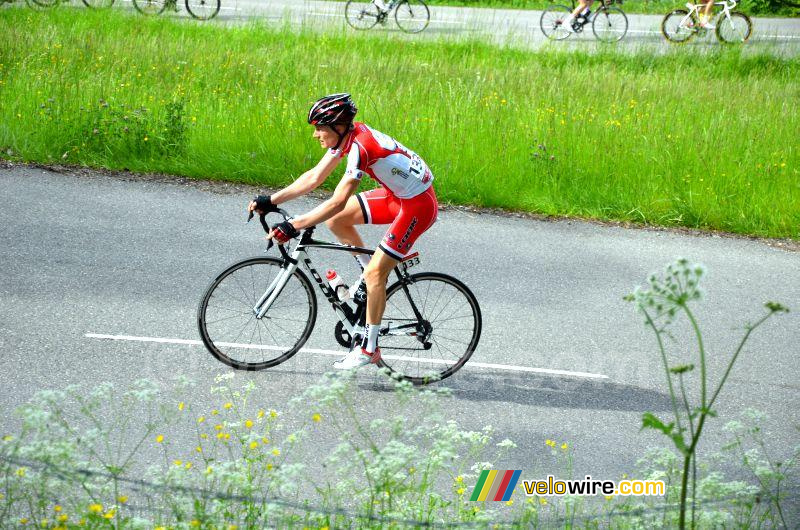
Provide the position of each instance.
(470, 364)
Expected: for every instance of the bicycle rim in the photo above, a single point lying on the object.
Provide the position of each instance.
(150, 7)
(678, 26)
(550, 22)
(229, 327)
(412, 16)
(610, 24)
(203, 9)
(360, 15)
(438, 346)
(734, 30)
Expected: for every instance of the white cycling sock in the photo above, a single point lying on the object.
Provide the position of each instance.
(370, 342)
(380, 4)
(363, 260)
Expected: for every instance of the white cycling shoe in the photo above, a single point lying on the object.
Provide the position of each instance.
(357, 358)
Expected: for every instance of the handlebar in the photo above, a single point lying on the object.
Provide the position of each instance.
(262, 218)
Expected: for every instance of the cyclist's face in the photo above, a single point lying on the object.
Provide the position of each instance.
(326, 136)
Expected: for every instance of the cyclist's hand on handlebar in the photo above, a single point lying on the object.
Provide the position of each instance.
(261, 205)
(283, 232)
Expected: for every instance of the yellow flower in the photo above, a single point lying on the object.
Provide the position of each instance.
(265, 440)
(609, 497)
(551, 443)
(195, 522)
(317, 418)
(159, 438)
(220, 435)
(188, 465)
(198, 449)
(564, 446)
(160, 527)
(232, 527)
(542, 501)
(44, 523)
(204, 436)
(460, 479)
(24, 520)
(214, 412)
(201, 419)
(227, 436)
(273, 413)
(411, 470)
(62, 518)
(57, 508)
(253, 444)
(21, 472)
(7, 438)
(460, 491)
(248, 424)
(218, 426)
(178, 462)
(509, 503)
(180, 405)
(95, 508)
(122, 499)
(145, 138)
(261, 413)
(269, 467)
(276, 452)
(227, 405)
(109, 514)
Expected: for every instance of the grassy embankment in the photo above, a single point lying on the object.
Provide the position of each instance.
(693, 139)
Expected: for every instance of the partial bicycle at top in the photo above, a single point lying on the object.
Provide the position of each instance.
(681, 25)
(259, 312)
(609, 22)
(411, 16)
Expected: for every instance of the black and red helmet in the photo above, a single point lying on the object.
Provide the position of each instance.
(332, 110)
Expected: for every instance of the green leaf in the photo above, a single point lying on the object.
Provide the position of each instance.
(649, 421)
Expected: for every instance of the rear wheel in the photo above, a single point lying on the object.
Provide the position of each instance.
(203, 9)
(678, 26)
(609, 24)
(360, 14)
(412, 16)
(551, 21)
(228, 323)
(435, 346)
(734, 30)
(150, 7)
(37, 4)
(98, 4)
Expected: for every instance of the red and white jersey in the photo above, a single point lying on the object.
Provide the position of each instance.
(396, 168)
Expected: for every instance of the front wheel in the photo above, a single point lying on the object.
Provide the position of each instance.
(610, 24)
(37, 4)
(432, 326)
(228, 321)
(360, 14)
(552, 20)
(734, 29)
(203, 9)
(679, 26)
(412, 16)
(98, 4)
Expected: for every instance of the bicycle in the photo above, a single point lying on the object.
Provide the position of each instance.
(681, 25)
(411, 16)
(259, 312)
(46, 4)
(199, 9)
(609, 23)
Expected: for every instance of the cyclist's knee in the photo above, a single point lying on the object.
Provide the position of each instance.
(374, 277)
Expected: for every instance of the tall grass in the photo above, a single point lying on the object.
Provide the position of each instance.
(693, 139)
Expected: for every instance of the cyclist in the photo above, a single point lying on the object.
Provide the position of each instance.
(406, 200)
(705, 18)
(566, 24)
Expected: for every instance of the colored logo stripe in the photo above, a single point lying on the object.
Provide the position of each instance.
(495, 485)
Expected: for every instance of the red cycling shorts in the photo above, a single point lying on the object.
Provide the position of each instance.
(409, 218)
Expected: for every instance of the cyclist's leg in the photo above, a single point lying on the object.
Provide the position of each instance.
(343, 223)
(376, 206)
(582, 4)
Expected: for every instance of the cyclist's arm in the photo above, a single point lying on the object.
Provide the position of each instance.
(335, 204)
(308, 181)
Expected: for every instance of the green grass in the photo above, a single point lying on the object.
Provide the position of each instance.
(688, 138)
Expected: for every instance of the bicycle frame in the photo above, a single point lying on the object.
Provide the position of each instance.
(349, 318)
(727, 6)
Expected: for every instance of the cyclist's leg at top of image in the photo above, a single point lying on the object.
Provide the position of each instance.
(409, 219)
(567, 22)
(705, 17)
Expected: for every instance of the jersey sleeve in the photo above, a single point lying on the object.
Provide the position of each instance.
(356, 162)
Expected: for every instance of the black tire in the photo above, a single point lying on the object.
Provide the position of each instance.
(39, 4)
(430, 351)
(361, 14)
(239, 287)
(203, 9)
(150, 7)
(412, 16)
(609, 24)
(675, 27)
(734, 30)
(550, 22)
(98, 4)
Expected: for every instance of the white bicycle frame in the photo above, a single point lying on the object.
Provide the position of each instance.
(727, 6)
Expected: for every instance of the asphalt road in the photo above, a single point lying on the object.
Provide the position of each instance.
(95, 254)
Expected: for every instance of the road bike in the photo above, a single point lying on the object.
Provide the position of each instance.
(259, 312)
(609, 23)
(39, 4)
(681, 25)
(199, 9)
(412, 16)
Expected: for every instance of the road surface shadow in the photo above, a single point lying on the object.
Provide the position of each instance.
(546, 391)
